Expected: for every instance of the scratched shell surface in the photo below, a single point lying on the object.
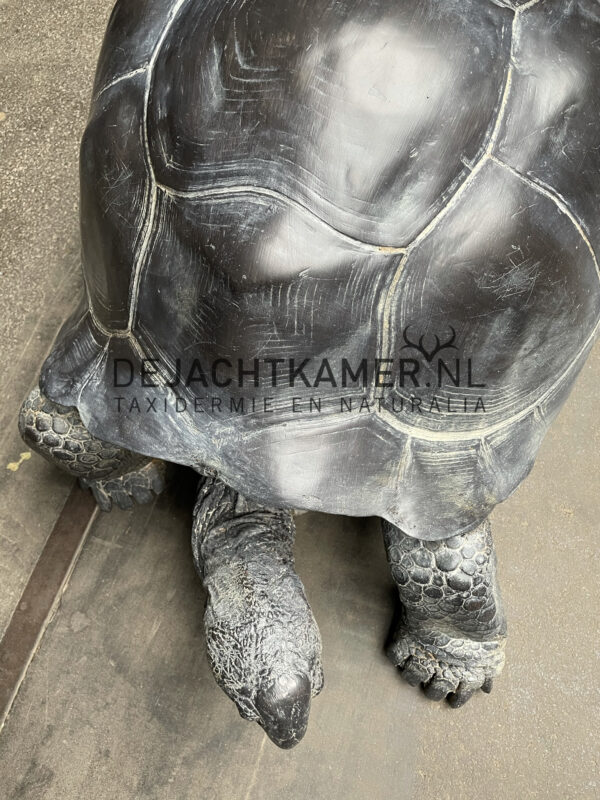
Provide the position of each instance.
(335, 179)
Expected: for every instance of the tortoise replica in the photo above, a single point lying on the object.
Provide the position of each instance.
(339, 255)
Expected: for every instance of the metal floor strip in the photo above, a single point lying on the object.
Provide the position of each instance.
(42, 593)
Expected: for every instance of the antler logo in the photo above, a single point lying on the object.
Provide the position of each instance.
(420, 347)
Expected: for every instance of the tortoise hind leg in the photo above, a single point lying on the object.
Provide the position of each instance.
(451, 632)
(263, 642)
(115, 475)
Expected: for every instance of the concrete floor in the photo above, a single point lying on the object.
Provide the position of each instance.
(47, 61)
(119, 701)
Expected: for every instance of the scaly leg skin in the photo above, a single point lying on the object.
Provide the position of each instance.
(451, 633)
(263, 642)
(115, 475)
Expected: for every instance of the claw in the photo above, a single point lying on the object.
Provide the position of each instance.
(100, 495)
(122, 499)
(455, 677)
(438, 689)
(283, 709)
(415, 673)
(140, 486)
(464, 692)
(143, 496)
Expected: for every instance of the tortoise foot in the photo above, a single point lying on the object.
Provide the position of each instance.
(447, 667)
(113, 473)
(140, 485)
(452, 630)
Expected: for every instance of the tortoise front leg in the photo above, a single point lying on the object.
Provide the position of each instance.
(263, 642)
(114, 474)
(451, 632)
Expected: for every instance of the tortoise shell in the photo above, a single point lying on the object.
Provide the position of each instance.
(277, 198)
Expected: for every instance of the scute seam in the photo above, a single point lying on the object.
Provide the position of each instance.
(527, 6)
(382, 413)
(241, 189)
(446, 436)
(541, 188)
(151, 210)
(386, 319)
(124, 77)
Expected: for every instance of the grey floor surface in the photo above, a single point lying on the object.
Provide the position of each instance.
(119, 702)
(47, 61)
